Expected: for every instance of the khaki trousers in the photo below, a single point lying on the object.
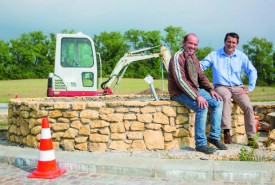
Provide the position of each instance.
(242, 101)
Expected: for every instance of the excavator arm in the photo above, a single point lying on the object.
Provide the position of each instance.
(130, 57)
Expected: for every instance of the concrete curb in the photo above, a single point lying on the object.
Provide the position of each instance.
(125, 164)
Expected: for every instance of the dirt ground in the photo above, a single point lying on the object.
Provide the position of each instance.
(148, 92)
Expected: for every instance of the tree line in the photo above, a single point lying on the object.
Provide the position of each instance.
(32, 54)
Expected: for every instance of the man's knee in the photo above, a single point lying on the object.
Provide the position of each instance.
(226, 97)
(247, 108)
(216, 103)
(201, 111)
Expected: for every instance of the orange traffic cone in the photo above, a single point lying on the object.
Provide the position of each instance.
(46, 168)
(256, 122)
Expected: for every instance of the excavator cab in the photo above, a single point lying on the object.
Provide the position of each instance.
(75, 70)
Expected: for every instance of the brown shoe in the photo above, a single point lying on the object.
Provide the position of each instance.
(227, 138)
(252, 143)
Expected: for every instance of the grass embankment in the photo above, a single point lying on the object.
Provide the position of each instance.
(37, 88)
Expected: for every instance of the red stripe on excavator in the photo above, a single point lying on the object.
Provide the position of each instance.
(76, 93)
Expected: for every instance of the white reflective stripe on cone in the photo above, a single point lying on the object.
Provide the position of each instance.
(46, 155)
(45, 133)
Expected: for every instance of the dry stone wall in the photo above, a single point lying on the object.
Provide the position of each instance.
(122, 123)
(263, 109)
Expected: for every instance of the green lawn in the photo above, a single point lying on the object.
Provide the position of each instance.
(36, 88)
(30, 88)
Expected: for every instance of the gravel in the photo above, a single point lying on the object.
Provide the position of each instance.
(188, 153)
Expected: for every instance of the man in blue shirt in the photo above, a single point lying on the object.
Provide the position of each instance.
(227, 65)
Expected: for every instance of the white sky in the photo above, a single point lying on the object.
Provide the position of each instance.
(209, 19)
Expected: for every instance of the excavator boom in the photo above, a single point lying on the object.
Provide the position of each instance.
(129, 58)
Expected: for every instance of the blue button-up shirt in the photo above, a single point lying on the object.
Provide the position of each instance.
(227, 70)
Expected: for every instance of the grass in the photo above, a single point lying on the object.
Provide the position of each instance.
(263, 93)
(3, 124)
(37, 88)
(30, 88)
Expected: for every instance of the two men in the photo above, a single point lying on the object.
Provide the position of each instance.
(188, 85)
(227, 65)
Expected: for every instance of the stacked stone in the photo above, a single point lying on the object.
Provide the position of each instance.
(128, 125)
(271, 140)
(101, 126)
(238, 129)
(262, 110)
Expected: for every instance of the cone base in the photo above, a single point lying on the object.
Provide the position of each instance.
(47, 175)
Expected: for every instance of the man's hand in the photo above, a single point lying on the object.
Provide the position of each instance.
(202, 103)
(243, 91)
(214, 94)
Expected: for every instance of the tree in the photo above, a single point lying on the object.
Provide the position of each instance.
(32, 55)
(51, 49)
(133, 38)
(4, 59)
(152, 66)
(174, 37)
(260, 52)
(29, 54)
(151, 39)
(71, 31)
(201, 53)
(144, 39)
(111, 47)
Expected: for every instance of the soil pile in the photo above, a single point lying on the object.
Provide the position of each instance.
(149, 92)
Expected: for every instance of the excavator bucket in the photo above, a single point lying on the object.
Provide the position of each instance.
(166, 56)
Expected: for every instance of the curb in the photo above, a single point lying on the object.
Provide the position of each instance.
(125, 164)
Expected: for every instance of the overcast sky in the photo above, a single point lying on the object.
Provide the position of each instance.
(209, 19)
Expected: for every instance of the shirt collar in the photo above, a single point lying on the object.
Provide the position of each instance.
(223, 53)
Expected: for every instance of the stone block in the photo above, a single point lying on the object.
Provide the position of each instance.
(98, 147)
(154, 140)
(118, 145)
(160, 118)
(272, 120)
(137, 145)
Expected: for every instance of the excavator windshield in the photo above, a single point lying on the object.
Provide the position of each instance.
(76, 52)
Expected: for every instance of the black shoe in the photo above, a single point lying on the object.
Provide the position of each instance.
(217, 143)
(252, 143)
(205, 149)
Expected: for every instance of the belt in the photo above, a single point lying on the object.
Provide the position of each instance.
(228, 85)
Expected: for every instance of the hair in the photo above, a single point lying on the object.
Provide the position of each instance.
(232, 34)
(186, 37)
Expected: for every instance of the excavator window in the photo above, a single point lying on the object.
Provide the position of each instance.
(88, 79)
(76, 52)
